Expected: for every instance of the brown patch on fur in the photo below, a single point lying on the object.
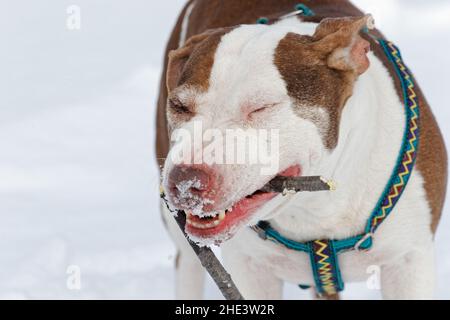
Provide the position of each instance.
(178, 59)
(190, 67)
(209, 14)
(316, 72)
(432, 161)
(307, 77)
(338, 35)
(191, 64)
(198, 67)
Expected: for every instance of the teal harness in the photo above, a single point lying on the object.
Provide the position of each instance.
(324, 253)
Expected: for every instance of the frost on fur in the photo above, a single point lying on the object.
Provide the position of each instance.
(190, 199)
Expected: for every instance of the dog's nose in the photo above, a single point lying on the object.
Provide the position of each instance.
(191, 186)
(190, 179)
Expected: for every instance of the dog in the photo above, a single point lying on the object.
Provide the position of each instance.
(335, 102)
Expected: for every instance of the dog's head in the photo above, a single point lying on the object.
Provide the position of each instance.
(249, 103)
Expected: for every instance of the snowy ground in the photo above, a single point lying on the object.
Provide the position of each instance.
(78, 183)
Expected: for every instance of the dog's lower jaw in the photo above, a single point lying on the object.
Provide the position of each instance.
(222, 228)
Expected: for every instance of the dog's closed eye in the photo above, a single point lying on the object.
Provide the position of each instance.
(261, 109)
(179, 107)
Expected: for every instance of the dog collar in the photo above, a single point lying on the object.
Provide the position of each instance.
(324, 253)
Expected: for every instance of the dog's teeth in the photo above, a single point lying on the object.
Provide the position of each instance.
(203, 225)
(197, 225)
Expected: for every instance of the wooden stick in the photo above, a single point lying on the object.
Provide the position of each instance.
(297, 184)
(212, 265)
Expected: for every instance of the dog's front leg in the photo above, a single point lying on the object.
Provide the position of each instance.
(253, 281)
(411, 277)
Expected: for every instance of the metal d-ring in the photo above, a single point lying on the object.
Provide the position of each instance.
(358, 245)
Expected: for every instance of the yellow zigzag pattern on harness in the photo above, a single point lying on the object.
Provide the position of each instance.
(325, 269)
(413, 129)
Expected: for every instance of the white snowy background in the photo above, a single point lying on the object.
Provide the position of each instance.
(78, 180)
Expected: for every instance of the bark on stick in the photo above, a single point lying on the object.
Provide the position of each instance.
(212, 265)
(297, 184)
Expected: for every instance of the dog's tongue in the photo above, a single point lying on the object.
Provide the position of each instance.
(247, 205)
(293, 171)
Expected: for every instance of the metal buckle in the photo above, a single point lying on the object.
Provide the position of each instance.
(361, 241)
(260, 232)
(291, 14)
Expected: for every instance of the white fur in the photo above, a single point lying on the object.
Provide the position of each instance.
(370, 135)
(185, 24)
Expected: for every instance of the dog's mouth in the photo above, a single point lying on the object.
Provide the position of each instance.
(221, 226)
(217, 223)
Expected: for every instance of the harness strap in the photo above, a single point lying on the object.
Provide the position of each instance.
(323, 256)
(325, 267)
(299, 10)
(410, 144)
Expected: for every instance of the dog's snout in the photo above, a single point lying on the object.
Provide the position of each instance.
(192, 186)
(190, 179)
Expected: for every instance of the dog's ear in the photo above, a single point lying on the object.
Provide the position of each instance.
(179, 57)
(340, 41)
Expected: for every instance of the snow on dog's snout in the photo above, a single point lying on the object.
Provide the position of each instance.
(193, 188)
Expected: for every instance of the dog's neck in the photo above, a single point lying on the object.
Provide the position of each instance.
(370, 137)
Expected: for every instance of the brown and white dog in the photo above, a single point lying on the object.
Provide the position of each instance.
(337, 109)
